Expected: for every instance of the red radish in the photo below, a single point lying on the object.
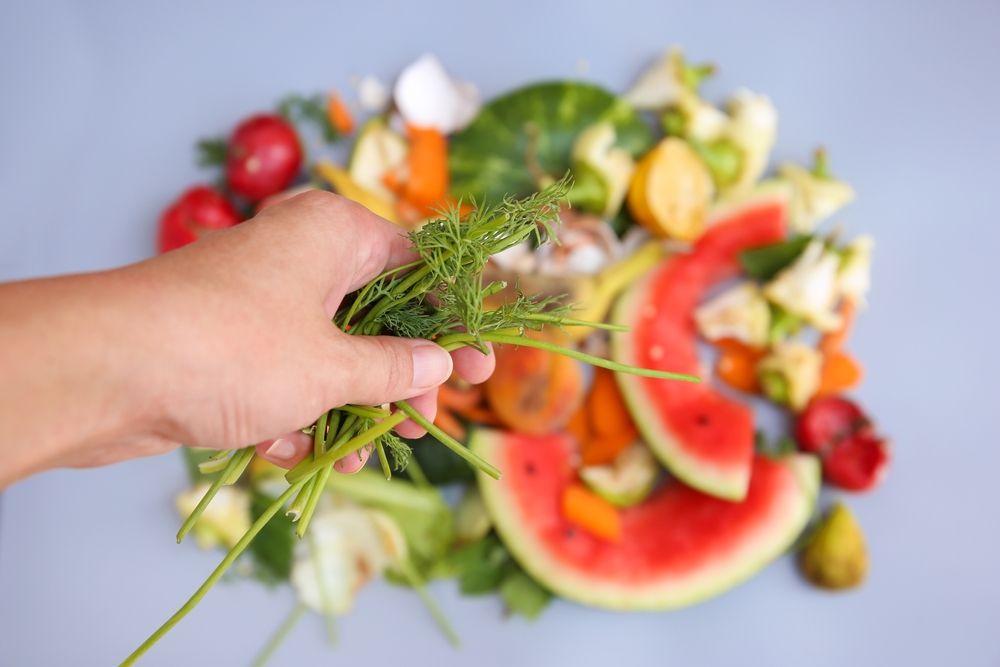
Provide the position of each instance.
(264, 157)
(854, 456)
(198, 210)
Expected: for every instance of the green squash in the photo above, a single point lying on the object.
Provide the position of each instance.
(530, 131)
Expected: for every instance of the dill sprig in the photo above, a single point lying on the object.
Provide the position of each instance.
(441, 297)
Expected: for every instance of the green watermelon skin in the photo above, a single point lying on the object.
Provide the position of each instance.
(489, 158)
(679, 547)
(703, 437)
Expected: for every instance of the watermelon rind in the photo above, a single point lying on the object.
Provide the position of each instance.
(723, 481)
(771, 539)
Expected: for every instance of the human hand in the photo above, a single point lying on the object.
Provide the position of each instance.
(228, 342)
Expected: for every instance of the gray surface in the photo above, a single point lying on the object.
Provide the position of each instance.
(101, 102)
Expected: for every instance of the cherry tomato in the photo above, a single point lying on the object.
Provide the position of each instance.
(198, 210)
(264, 157)
(838, 430)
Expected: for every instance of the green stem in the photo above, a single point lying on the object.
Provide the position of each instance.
(418, 585)
(364, 411)
(570, 322)
(217, 573)
(454, 445)
(307, 467)
(279, 636)
(588, 358)
(238, 461)
(383, 460)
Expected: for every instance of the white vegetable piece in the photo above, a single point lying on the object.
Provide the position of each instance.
(586, 245)
(854, 278)
(799, 365)
(223, 522)
(808, 288)
(595, 149)
(814, 199)
(740, 312)
(753, 128)
(373, 95)
(347, 546)
(660, 85)
(702, 120)
(427, 96)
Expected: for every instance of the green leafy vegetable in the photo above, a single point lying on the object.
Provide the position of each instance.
(272, 550)
(482, 566)
(439, 464)
(520, 140)
(782, 324)
(767, 261)
(523, 595)
(212, 152)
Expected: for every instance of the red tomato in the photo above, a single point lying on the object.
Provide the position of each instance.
(854, 456)
(264, 157)
(198, 210)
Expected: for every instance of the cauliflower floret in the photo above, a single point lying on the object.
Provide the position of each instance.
(791, 373)
(702, 121)
(223, 522)
(814, 198)
(347, 547)
(595, 149)
(854, 278)
(740, 312)
(808, 288)
(753, 128)
(427, 96)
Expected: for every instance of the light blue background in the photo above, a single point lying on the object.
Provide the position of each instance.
(100, 103)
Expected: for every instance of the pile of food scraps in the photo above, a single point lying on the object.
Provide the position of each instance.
(618, 490)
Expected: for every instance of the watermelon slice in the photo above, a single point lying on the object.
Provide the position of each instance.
(678, 547)
(703, 437)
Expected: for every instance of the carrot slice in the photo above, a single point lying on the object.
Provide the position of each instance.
(339, 115)
(591, 513)
(450, 425)
(840, 372)
(606, 408)
(835, 340)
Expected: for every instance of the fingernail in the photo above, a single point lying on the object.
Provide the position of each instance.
(431, 366)
(281, 449)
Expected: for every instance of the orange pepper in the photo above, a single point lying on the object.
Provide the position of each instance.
(840, 372)
(339, 115)
(737, 364)
(591, 513)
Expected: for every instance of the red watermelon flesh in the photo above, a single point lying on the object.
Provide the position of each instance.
(678, 547)
(702, 436)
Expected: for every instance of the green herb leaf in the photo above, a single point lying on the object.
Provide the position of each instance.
(766, 261)
(482, 566)
(523, 595)
(272, 548)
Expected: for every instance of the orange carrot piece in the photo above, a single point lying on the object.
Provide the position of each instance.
(606, 408)
(428, 181)
(737, 365)
(834, 341)
(339, 115)
(591, 513)
(455, 397)
(840, 372)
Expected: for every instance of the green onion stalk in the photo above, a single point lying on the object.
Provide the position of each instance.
(440, 297)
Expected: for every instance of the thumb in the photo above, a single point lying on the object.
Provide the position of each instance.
(372, 370)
